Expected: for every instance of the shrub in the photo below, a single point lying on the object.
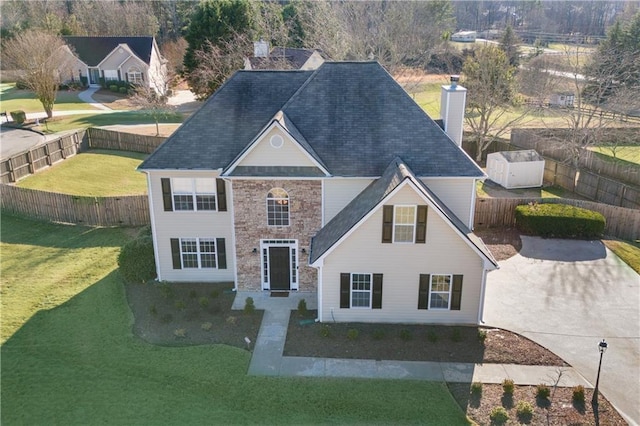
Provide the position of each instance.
(18, 116)
(499, 415)
(21, 85)
(508, 386)
(405, 334)
(180, 333)
(559, 220)
(302, 307)
(114, 88)
(578, 394)
(231, 320)
(432, 336)
(193, 294)
(542, 391)
(325, 331)
(214, 294)
(476, 388)
(352, 334)
(203, 301)
(456, 335)
(206, 326)
(180, 304)
(378, 334)
(249, 307)
(123, 90)
(524, 410)
(136, 261)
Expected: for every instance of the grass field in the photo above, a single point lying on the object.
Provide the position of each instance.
(625, 153)
(97, 173)
(627, 251)
(60, 124)
(12, 99)
(69, 356)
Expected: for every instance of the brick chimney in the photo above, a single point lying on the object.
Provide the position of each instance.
(452, 103)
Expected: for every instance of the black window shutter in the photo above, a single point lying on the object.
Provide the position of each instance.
(175, 253)
(421, 225)
(166, 194)
(423, 292)
(377, 291)
(387, 224)
(222, 195)
(456, 294)
(222, 253)
(345, 290)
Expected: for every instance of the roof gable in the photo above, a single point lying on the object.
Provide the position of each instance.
(93, 50)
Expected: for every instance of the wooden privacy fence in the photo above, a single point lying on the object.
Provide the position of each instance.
(40, 157)
(621, 222)
(109, 139)
(131, 210)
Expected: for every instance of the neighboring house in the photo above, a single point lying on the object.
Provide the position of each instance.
(331, 181)
(562, 99)
(282, 58)
(516, 169)
(136, 60)
(464, 36)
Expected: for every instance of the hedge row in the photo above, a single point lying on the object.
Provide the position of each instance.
(559, 220)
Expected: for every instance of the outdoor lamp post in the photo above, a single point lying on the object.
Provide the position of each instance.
(602, 347)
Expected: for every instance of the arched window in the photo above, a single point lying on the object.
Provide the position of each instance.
(278, 207)
(134, 75)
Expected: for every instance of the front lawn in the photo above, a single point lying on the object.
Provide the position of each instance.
(82, 121)
(69, 355)
(12, 99)
(96, 173)
(628, 251)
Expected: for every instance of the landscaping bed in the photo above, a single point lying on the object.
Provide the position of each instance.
(190, 314)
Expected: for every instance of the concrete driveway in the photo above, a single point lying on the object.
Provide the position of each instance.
(568, 295)
(15, 141)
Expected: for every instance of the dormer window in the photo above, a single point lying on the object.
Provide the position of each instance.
(278, 207)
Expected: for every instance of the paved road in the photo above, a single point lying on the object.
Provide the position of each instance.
(568, 295)
(15, 141)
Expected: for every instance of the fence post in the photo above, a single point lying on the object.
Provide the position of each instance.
(47, 155)
(12, 174)
(61, 148)
(32, 169)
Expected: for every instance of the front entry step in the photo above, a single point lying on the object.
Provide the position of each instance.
(279, 294)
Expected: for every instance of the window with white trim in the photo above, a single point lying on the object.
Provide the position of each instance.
(110, 75)
(440, 291)
(278, 207)
(194, 194)
(134, 75)
(361, 290)
(198, 252)
(404, 224)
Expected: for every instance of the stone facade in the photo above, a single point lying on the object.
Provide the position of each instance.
(250, 216)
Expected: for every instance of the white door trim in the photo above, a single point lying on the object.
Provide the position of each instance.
(293, 261)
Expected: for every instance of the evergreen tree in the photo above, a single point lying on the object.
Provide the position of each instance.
(509, 43)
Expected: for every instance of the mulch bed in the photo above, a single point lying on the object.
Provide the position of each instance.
(184, 314)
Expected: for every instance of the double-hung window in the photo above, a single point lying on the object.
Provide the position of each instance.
(404, 224)
(198, 252)
(194, 194)
(360, 290)
(134, 75)
(440, 292)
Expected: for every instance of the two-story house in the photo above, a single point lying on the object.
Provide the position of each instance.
(331, 181)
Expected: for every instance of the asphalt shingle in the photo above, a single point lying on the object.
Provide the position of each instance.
(92, 50)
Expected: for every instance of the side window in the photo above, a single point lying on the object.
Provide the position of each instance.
(198, 253)
(201, 194)
(278, 207)
(360, 290)
(440, 291)
(404, 224)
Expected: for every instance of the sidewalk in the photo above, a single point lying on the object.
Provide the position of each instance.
(268, 359)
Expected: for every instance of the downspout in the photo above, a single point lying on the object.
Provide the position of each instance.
(482, 293)
(156, 253)
(230, 206)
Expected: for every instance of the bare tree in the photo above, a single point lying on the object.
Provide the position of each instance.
(117, 18)
(173, 51)
(40, 58)
(151, 103)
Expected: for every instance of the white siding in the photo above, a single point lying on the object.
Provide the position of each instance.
(525, 174)
(338, 192)
(189, 224)
(456, 194)
(114, 60)
(401, 265)
(289, 154)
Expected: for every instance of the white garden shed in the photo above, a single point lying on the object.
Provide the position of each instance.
(516, 169)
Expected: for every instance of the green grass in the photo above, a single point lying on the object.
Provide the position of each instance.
(97, 173)
(490, 190)
(628, 251)
(69, 356)
(12, 99)
(60, 124)
(624, 153)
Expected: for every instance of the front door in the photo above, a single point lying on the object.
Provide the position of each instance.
(279, 268)
(94, 77)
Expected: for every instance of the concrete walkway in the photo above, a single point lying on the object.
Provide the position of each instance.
(268, 359)
(87, 96)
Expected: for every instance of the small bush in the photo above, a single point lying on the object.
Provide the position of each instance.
(378, 334)
(482, 335)
(325, 330)
(214, 294)
(180, 304)
(432, 336)
(405, 335)
(302, 307)
(508, 386)
(249, 307)
(180, 333)
(123, 90)
(499, 415)
(476, 388)
(578, 394)
(114, 88)
(231, 320)
(21, 85)
(542, 391)
(559, 220)
(206, 326)
(136, 261)
(193, 294)
(456, 335)
(203, 301)
(18, 116)
(524, 410)
(352, 334)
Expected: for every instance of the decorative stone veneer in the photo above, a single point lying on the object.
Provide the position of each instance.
(250, 216)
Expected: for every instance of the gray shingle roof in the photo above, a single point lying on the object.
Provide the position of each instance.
(92, 50)
(353, 115)
(396, 172)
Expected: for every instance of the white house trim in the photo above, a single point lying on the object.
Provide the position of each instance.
(233, 232)
(156, 250)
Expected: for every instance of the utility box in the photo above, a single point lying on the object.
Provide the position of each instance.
(516, 169)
